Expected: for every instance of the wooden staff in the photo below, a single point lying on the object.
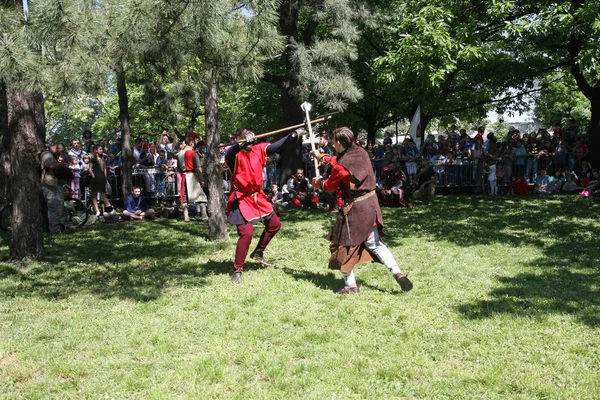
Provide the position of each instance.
(306, 107)
(288, 128)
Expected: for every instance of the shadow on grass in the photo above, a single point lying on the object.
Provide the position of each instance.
(536, 295)
(127, 261)
(325, 281)
(565, 280)
(331, 280)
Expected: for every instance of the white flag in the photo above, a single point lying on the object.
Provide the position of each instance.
(415, 127)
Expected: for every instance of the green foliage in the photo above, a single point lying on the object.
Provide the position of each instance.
(560, 100)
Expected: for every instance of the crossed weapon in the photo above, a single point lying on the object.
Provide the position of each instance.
(306, 107)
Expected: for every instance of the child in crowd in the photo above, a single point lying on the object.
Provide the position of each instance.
(76, 181)
(492, 177)
(171, 176)
(519, 186)
(570, 186)
(275, 196)
(85, 170)
(161, 163)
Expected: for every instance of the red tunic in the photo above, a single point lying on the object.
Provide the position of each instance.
(247, 184)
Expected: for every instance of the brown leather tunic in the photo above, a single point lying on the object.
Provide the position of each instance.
(351, 229)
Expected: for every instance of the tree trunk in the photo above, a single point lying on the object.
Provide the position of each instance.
(126, 153)
(371, 122)
(4, 148)
(27, 132)
(291, 157)
(594, 133)
(217, 226)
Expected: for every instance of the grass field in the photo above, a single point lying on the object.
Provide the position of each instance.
(506, 305)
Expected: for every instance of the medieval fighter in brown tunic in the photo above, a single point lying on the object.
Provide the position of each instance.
(355, 236)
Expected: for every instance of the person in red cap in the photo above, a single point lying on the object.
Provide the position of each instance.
(247, 202)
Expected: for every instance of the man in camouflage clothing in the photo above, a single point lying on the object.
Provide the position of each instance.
(53, 179)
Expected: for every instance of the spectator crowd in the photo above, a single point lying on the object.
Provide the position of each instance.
(487, 163)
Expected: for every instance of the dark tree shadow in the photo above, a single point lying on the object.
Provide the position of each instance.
(539, 294)
(118, 260)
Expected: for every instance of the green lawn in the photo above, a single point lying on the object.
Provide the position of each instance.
(506, 304)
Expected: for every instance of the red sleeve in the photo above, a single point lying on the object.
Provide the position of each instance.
(338, 175)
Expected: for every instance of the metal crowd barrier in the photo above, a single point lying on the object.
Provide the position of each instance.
(155, 183)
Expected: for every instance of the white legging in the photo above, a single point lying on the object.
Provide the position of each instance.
(378, 248)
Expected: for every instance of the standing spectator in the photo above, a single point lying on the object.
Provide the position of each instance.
(54, 175)
(136, 207)
(161, 164)
(508, 164)
(545, 156)
(520, 156)
(165, 142)
(560, 155)
(271, 169)
(87, 141)
(76, 180)
(325, 147)
(76, 151)
(438, 162)
(138, 149)
(98, 181)
(573, 126)
(476, 155)
(113, 164)
(558, 131)
(533, 151)
(378, 157)
(192, 134)
(581, 151)
(492, 177)
(411, 153)
(191, 190)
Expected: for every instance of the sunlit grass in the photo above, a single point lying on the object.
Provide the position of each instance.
(506, 305)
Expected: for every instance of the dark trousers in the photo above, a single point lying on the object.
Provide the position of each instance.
(245, 231)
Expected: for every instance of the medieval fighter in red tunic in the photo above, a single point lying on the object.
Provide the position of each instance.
(247, 201)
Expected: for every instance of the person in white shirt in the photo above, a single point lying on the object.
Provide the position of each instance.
(492, 177)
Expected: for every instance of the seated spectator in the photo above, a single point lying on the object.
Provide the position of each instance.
(593, 188)
(545, 183)
(301, 193)
(570, 186)
(275, 195)
(426, 179)
(136, 207)
(519, 186)
(559, 179)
